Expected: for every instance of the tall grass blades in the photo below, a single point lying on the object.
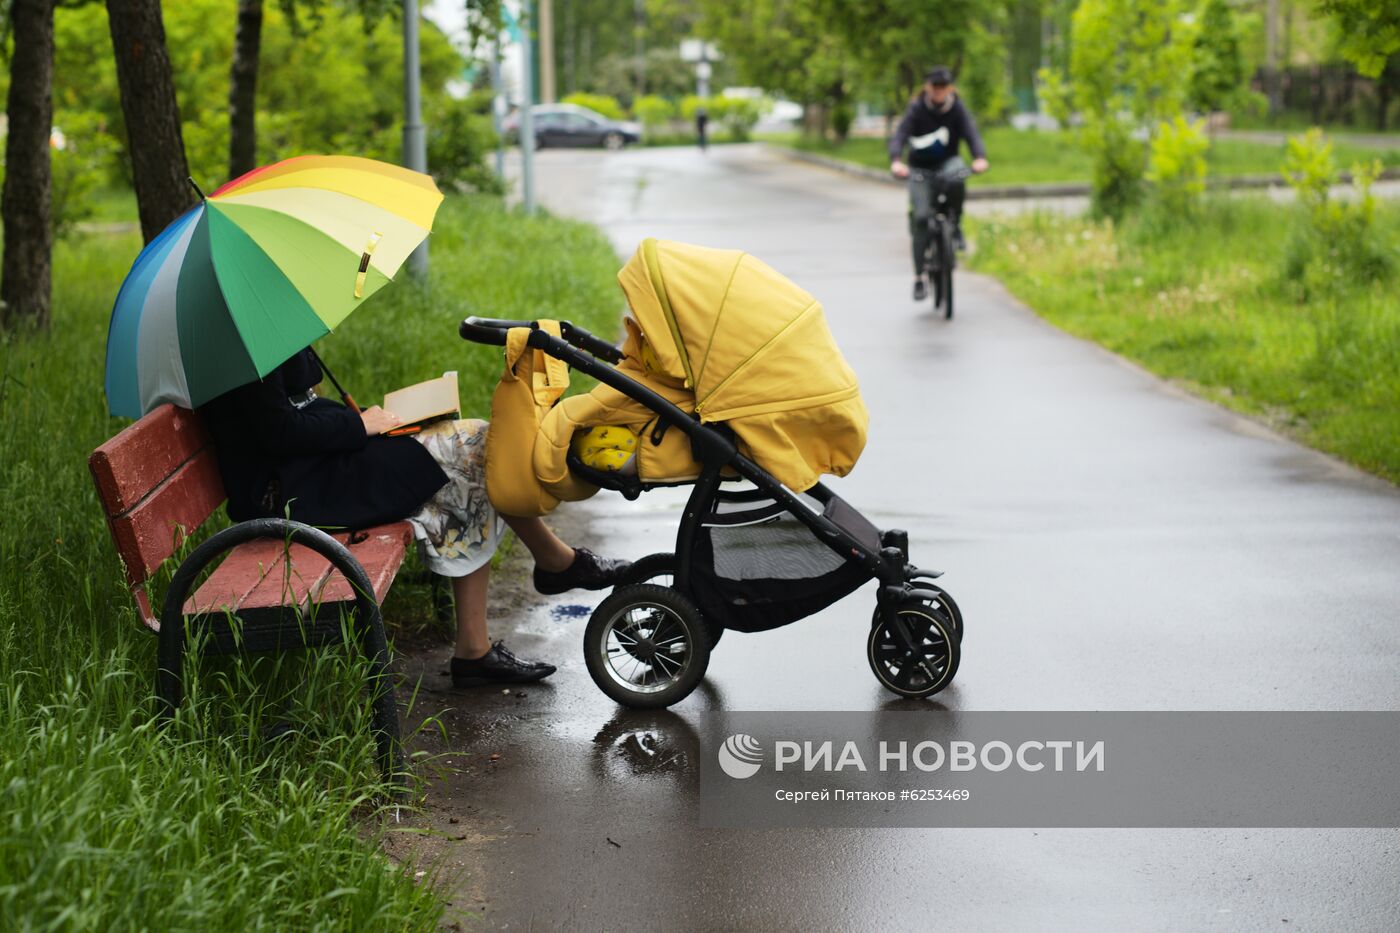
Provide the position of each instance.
(111, 823)
(1211, 305)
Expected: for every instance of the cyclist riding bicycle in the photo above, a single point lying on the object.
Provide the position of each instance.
(933, 127)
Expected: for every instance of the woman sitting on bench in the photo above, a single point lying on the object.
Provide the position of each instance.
(283, 451)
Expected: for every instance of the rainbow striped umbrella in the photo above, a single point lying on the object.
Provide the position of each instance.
(256, 272)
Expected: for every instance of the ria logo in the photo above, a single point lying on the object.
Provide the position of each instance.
(741, 756)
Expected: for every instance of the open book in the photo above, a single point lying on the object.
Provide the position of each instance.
(424, 403)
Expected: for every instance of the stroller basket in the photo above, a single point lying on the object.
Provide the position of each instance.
(756, 566)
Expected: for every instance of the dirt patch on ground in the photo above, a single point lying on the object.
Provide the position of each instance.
(459, 740)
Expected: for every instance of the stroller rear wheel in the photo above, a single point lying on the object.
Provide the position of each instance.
(660, 569)
(923, 664)
(646, 646)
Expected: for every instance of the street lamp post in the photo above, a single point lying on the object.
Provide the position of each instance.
(415, 151)
(527, 120)
(701, 54)
(498, 100)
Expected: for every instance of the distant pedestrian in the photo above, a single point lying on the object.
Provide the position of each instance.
(702, 120)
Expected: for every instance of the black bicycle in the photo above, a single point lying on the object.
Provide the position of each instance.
(941, 255)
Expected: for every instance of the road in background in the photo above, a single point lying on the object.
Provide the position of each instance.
(1115, 544)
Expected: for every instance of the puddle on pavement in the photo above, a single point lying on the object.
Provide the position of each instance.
(646, 743)
(569, 612)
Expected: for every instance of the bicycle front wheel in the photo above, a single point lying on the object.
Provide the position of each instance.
(945, 268)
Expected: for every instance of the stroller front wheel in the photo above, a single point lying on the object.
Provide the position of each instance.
(646, 646)
(920, 661)
(941, 602)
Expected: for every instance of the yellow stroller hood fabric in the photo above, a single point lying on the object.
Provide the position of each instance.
(756, 352)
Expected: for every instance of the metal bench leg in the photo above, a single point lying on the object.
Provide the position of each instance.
(369, 623)
(385, 710)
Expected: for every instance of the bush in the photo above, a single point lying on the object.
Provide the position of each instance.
(655, 113)
(1129, 61)
(985, 80)
(1116, 174)
(1176, 167)
(1337, 244)
(79, 168)
(1055, 96)
(690, 105)
(1217, 60)
(460, 135)
(598, 103)
(738, 114)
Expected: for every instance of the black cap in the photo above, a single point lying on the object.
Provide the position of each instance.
(939, 74)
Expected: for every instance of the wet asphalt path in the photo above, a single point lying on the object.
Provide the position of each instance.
(1115, 545)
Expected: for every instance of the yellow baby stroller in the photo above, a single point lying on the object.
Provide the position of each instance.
(728, 376)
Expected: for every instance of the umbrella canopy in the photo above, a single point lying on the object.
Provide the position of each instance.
(756, 351)
(256, 272)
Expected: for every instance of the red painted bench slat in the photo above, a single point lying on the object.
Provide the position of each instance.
(149, 533)
(240, 571)
(381, 555)
(297, 588)
(255, 576)
(138, 459)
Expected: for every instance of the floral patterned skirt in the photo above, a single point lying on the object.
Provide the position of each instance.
(457, 529)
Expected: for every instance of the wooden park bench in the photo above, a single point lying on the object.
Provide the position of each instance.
(281, 584)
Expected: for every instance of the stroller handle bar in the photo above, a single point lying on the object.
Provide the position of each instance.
(490, 330)
(712, 445)
(583, 352)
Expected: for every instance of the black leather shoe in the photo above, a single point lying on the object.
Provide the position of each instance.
(587, 572)
(497, 666)
(920, 289)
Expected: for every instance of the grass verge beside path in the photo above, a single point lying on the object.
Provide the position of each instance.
(1032, 157)
(1207, 303)
(110, 823)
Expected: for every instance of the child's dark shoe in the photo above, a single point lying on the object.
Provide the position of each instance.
(587, 572)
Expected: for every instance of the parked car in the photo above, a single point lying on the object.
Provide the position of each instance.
(571, 125)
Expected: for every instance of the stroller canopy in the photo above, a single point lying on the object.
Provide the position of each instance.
(755, 350)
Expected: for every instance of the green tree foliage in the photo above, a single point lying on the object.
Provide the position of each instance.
(1369, 31)
(663, 73)
(1176, 167)
(598, 103)
(787, 47)
(985, 79)
(598, 42)
(826, 54)
(1217, 59)
(460, 133)
(1336, 246)
(336, 85)
(893, 43)
(1128, 65)
(654, 112)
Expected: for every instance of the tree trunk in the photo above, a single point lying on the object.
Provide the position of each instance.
(243, 90)
(154, 141)
(25, 286)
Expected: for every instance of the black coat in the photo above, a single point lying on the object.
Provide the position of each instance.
(315, 460)
(919, 130)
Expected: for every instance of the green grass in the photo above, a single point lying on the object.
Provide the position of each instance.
(1033, 157)
(1208, 303)
(111, 823)
(112, 205)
